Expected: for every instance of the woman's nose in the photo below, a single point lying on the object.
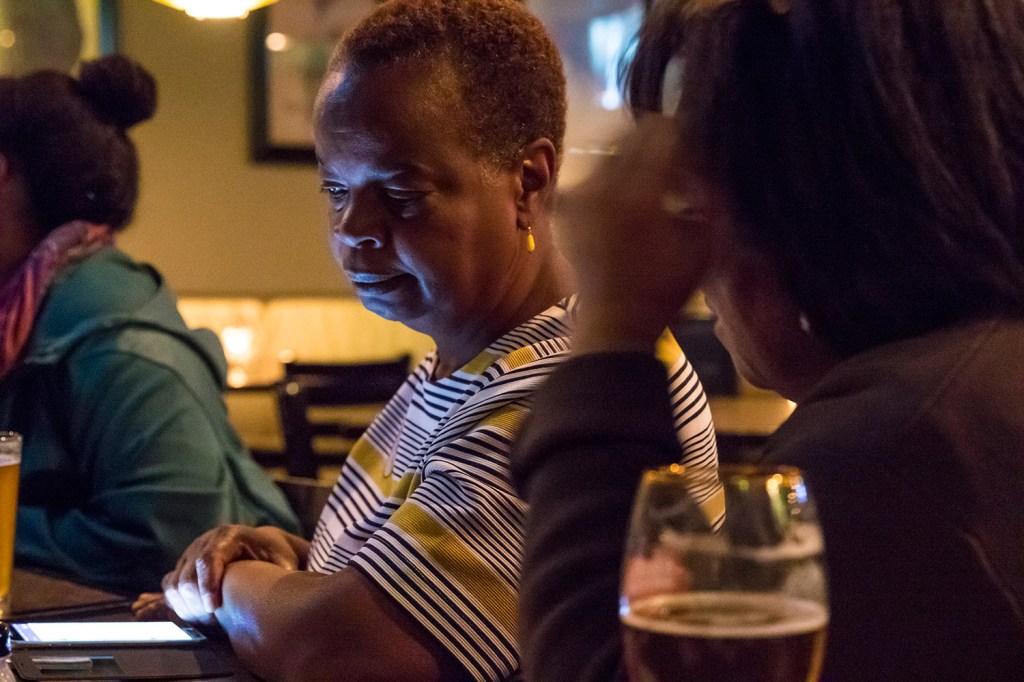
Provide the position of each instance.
(358, 226)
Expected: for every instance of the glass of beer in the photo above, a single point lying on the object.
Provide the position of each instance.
(10, 462)
(739, 595)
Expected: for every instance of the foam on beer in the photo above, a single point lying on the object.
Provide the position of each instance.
(802, 541)
(726, 615)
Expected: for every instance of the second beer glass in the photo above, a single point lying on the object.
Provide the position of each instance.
(743, 601)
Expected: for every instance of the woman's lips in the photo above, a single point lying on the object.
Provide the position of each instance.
(370, 277)
(376, 282)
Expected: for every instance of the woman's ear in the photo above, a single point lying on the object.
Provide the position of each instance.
(537, 171)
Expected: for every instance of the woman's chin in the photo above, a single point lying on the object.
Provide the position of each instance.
(393, 307)
(380, 307)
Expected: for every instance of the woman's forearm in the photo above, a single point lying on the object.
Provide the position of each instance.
(305, 626)
(258, 612)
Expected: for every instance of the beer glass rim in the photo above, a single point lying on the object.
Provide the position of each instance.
(9, 435)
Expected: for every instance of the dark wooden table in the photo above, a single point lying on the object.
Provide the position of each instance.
(39, 597)
(35, 596)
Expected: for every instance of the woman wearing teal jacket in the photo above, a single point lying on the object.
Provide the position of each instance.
(128, 453)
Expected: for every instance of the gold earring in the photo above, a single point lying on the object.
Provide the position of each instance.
(531, 243)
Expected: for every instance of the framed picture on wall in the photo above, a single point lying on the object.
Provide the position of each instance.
(54, 34)
(291, 41)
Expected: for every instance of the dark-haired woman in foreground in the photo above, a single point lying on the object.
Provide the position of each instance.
(127, 450)
(845, 178)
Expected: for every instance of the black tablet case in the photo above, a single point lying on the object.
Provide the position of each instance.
(135, 663)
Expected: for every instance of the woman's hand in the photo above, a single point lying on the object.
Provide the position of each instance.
(193, 588)
(641, 232)
(151, 606)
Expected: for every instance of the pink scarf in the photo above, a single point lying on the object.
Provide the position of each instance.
(22, 293)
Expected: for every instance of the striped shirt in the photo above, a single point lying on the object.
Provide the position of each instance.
(424, 504)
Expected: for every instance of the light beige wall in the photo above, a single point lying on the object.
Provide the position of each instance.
(211, 220)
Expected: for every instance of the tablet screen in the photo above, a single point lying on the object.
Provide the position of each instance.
(104, 633)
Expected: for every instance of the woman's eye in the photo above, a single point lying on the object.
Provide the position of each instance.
(404, 202)
(337, 193)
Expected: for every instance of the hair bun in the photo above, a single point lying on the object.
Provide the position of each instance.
(119, 90)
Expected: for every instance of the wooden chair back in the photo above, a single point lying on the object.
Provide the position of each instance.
(307, 498)
(317, 401)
